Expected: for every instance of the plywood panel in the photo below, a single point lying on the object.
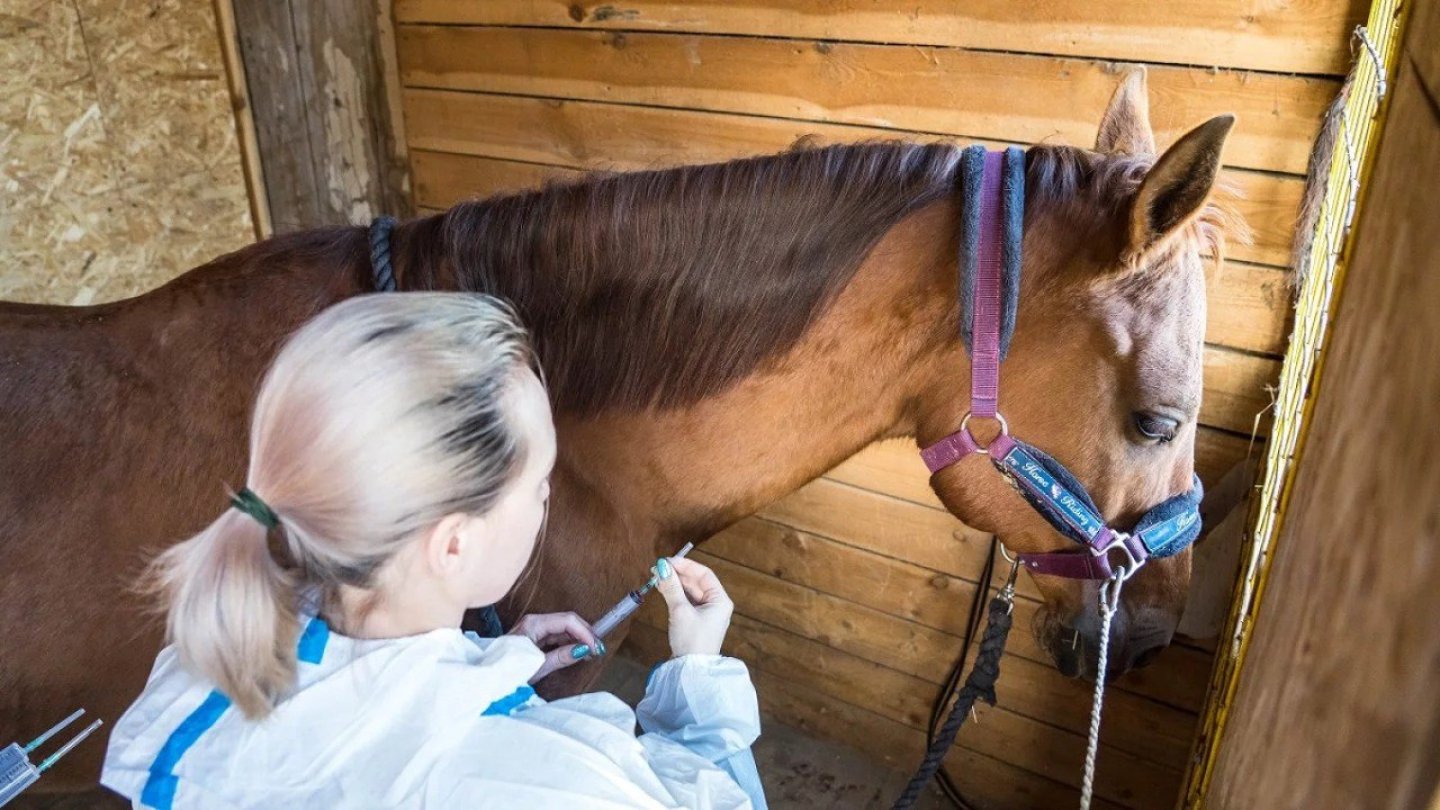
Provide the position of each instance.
(1295, 37)
(589, 135)
(119, 167)
(1337, 705)
(970, 94)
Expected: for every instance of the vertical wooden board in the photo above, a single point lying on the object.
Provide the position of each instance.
(973, 94)
(1336, 705)
(322, 115)
(1298, 37)
(587, 135)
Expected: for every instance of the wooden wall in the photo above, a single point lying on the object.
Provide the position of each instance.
(119, 165)
(852, 591)
(1337, 705)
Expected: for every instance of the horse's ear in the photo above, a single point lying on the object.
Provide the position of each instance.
(1175, 190)
(1126, 125)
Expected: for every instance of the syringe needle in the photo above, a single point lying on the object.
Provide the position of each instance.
(65, 749)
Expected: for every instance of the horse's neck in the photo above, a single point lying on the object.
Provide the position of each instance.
(851, 380)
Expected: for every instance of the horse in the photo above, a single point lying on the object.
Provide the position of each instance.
(713, 337)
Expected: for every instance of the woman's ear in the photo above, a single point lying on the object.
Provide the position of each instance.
(447, 542)
(1175, 190)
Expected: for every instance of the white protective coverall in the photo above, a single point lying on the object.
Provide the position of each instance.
(439, 720)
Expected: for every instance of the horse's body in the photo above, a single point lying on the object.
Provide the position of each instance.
(714, 337)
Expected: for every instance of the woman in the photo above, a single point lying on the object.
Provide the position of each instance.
(399, 456)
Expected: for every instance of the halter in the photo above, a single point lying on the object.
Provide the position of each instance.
(991, 230)
(993, 185)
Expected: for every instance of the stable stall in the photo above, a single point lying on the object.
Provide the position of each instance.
(852, 592)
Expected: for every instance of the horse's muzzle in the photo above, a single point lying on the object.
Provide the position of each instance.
(1075, 646)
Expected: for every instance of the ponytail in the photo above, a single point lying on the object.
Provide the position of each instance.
(231, 611)
(378, 418)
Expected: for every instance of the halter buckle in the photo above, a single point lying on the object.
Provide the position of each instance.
(983, 450)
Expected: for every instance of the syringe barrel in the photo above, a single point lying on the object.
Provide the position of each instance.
(617, 614)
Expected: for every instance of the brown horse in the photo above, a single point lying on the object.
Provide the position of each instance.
(714, 337)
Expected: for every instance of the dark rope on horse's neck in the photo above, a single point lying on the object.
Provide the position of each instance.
(381, 270)
(980, 684)
(485, 620)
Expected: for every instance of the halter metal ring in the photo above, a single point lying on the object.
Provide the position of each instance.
(965, 428)
(1129, 565)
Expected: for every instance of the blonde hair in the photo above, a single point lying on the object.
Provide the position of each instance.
(378, 418)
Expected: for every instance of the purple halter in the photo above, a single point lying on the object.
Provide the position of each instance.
(994, 186)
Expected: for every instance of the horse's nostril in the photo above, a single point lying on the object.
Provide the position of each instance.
(1146, 657)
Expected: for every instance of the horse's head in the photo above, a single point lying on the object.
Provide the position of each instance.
(1104, 371)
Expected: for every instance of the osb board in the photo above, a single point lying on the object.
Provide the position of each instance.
(119, 165)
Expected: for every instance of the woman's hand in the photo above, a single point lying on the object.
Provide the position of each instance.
(565, 639)
(699, 607)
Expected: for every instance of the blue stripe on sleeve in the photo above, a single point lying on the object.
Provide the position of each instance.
(311, 648)
(509, 703)
(159, 790)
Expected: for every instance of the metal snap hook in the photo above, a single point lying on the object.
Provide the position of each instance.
(1110, 591)
(1008, 592)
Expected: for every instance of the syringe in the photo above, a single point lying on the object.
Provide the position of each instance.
(16, 771)
(631, 602)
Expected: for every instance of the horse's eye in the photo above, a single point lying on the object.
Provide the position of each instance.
(1154, 427)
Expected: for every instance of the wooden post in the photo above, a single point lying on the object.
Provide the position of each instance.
(1337, 705)
(327, 131)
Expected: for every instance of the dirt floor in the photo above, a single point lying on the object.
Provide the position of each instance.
(798, 771)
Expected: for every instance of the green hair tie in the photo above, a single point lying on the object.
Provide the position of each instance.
(248, 502)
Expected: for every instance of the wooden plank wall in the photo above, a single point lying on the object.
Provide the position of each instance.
(852, 592)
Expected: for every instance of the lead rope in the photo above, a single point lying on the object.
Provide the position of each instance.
(1109, 601)
(980, 684)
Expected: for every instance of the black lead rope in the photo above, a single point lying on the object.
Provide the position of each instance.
(381, 270)
(979, 685)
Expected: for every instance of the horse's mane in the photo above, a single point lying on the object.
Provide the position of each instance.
(661, 288)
